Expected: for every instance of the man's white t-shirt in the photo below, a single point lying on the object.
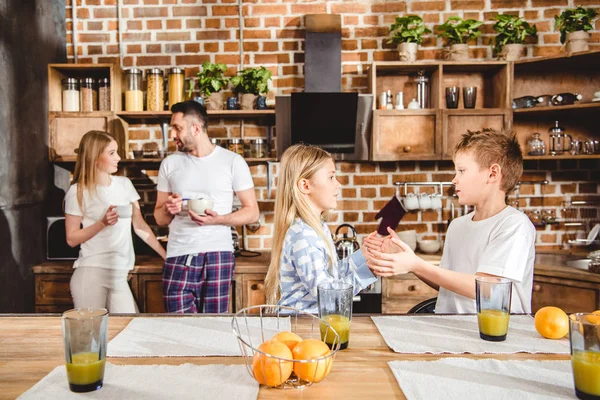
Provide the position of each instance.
(502, 245)
(216, 176)
(112, 247)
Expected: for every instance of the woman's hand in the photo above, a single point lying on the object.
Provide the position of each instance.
(111, 217)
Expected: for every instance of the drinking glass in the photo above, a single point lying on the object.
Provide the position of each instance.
(584, 335)
(335, 307)
(493, 295)
(84, 334)
(469, 96)
(452, 95)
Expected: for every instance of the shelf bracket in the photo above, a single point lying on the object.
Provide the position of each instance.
(164, 127)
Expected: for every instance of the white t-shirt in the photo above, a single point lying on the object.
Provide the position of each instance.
(112, 247)
(216, 176)
(502, 245)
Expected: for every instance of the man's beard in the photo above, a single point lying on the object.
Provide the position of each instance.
(186, 143)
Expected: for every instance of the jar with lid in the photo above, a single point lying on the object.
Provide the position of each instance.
(237, 146)
(88, 95)
(134, 96)
(215, 141)
(258, 148)
(104, 94)
(558, 140)
(70, 94)
(536, 146)
(176, 85)
(155, 96)
(422, 82)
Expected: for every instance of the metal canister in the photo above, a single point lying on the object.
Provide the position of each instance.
(400, 101)
(383, 100)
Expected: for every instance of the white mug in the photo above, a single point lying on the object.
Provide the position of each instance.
(125, 211)
(424, 201)
(436, 202)
(199, 206)
(411, 202)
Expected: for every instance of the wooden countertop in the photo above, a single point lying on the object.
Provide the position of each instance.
(546, 264)
(31, 346)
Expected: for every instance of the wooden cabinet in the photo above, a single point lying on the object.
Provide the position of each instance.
(569, 295)
(403, 292)
(458, 122)
(249, 290)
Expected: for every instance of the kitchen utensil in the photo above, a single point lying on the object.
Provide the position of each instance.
(536, 146)
(492, 296)
(422, 81)
(525, 102)
(592, 235)
(399, 100)
(409, 237)
(345, 245)
(411, 202)
(424, 201)
(575, 147)
(563, 99)
(585, 341)
(469, 96)
(413, 105)
(199, 206)
(452, 96)
(558, 139)
(429, 246)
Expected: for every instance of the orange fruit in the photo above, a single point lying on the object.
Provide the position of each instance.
(289, 338)
(310, 349)
(268, 370)
(551, 322)
(594, 318)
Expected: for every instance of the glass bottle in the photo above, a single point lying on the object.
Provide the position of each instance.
(526, 102)
(104, 94)
(563, 99)
(176, 85)
(237, 146)
(536, 146)
(155, 96)
(70, 94)
(88, 95)
(134, 96)
(422, 89)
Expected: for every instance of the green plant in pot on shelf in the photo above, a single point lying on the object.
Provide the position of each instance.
(211, 83)
(252, 84)
(458, 32)
(407, 34)
(574, 24)
(512, 32)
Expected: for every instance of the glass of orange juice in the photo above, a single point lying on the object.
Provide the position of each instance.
(335, 308)
(584, 335)
(493, 296)
(84, 333)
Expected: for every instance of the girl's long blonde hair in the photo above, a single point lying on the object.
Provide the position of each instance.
(298, 162)
(91, 146)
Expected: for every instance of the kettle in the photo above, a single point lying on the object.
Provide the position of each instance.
(345, 245)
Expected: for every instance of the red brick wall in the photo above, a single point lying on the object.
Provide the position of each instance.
(185, 33)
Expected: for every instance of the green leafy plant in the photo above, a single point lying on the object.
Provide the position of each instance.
(459, 31)
(573, 20)
(211, 79)
(252, 80)
(511, 29)
(408, 29)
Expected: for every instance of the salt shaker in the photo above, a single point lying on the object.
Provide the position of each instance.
(399, 101)
(390, 103)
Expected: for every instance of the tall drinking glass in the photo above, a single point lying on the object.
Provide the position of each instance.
(584, 335)
(493, 296)
(335, 308)
(84, 333)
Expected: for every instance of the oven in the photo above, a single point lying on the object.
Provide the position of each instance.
(368, 300)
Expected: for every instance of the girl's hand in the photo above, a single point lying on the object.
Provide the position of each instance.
(394, 263)
(111, 217)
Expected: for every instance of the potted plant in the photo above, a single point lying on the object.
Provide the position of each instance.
(250, 84)
(512, 33)
(459, 31)
(573, 24)
(210, 83)
(407, 34)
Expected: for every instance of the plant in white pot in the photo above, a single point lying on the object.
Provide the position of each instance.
(512, 32)
(407, 33)
(211, 82)
(458, 32)
(574, 24)
(250, 84)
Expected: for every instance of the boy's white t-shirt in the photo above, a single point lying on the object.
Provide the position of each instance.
(502, 245)
(112, 247)
(216, 176)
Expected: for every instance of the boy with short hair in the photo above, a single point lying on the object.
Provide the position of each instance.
(494, 240)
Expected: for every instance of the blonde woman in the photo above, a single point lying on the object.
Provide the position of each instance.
(303, 251)
(99, 211)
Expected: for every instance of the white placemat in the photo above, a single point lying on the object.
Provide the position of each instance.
(154, 382)
(460, 334)
(188, 336)
(463, 378)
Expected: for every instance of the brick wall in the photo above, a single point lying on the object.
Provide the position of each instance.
(185, 33)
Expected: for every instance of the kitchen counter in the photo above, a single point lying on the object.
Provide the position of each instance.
(31, 346)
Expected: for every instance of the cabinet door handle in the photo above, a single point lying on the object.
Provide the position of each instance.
(406, 149)
(537, 288)
(412, 288)
(257, 286)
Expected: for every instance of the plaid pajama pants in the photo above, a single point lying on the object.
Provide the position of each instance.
(199, 282)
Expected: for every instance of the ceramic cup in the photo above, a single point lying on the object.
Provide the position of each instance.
(424, 201)
(125, 211)
(199, 206)
(436, 202)
(411, 202)
(409, 237)
(469, 96)
(452, 95)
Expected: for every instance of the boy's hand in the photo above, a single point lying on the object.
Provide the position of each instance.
(393, 263)
(384, 244)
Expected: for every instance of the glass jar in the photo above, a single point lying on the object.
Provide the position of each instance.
(422, 82)
(258, 148)
(134, 96)
(104, 94)
(70, 94)
(88, 95)
(176, 85)
(536, 146)
(237, 146)
(215, 141)
(155, 96)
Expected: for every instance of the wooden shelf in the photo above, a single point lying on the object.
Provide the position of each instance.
(563, 157)
(80, 114)
(551, 109)
(165, 116)
(153, 160)
(476, 111)
(407, 112)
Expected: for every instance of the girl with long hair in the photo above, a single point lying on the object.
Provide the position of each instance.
(100, 209)
(303, 253)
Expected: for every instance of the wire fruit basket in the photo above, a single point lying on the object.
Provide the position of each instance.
(254, 328)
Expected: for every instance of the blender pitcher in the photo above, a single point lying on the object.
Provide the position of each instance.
(559, 140)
